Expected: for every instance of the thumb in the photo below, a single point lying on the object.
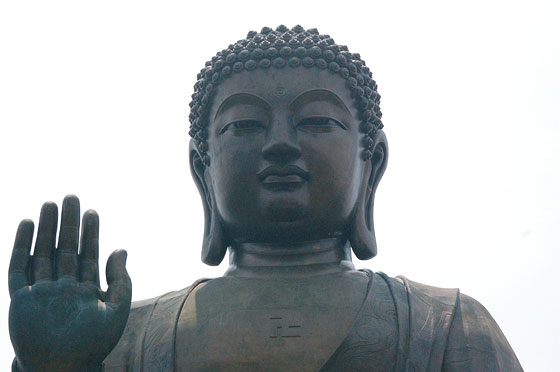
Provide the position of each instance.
(120, 286)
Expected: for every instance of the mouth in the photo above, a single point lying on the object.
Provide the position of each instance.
(283, 178)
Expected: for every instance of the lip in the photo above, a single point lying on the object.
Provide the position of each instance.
(291, 178)
(287, 177)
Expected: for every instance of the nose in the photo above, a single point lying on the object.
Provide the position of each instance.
(281, 145)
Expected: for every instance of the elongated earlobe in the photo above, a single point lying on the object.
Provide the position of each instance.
(214, 243)
(361, 233)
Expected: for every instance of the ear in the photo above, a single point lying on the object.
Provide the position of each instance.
(362, 232)
(214, 243)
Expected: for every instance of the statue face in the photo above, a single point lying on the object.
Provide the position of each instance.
(284, 150)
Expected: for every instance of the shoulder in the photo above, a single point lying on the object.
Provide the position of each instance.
(475, 323)
(122, 357)
(140, 312)
(476, 341)
(459, 331)
(444, 296)
(150, 321)
(421, 295)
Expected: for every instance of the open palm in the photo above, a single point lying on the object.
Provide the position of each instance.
(60, 320)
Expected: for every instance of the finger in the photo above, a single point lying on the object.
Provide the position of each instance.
(43, 255)
(89, 248)
(17, 273)
(120, 286)
(67, 250)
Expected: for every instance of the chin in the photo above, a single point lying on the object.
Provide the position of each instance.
(287, 211)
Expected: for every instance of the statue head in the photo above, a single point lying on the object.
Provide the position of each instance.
(287, 143)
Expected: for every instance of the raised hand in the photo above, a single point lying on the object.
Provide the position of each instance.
(60, 320)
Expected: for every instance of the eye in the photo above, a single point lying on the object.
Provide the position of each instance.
(320, 124)
(240, 127)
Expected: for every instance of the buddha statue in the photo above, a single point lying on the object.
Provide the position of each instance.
(287, 151)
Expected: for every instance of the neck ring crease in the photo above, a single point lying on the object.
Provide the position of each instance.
(312, 258)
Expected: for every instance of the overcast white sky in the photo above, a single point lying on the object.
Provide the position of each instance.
(94, 101)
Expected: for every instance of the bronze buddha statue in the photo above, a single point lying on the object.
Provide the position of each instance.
(287, 151)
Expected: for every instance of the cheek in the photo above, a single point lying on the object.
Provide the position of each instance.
(336, 169)
(233, 169)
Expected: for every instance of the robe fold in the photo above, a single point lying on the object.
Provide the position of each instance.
(401, 326)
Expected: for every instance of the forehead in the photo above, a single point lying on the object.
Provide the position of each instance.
(280, 87)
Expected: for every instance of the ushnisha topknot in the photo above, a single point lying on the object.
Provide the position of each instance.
(281, 48)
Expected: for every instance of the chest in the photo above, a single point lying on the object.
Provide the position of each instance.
(283, 325)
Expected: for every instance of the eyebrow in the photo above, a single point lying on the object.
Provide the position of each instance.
(242, 98)
(314, 95)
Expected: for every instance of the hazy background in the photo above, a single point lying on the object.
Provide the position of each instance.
(94, 101)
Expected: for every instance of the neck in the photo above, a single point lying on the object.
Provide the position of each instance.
(319, 257)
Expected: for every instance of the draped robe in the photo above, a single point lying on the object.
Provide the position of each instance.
(400, 326)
